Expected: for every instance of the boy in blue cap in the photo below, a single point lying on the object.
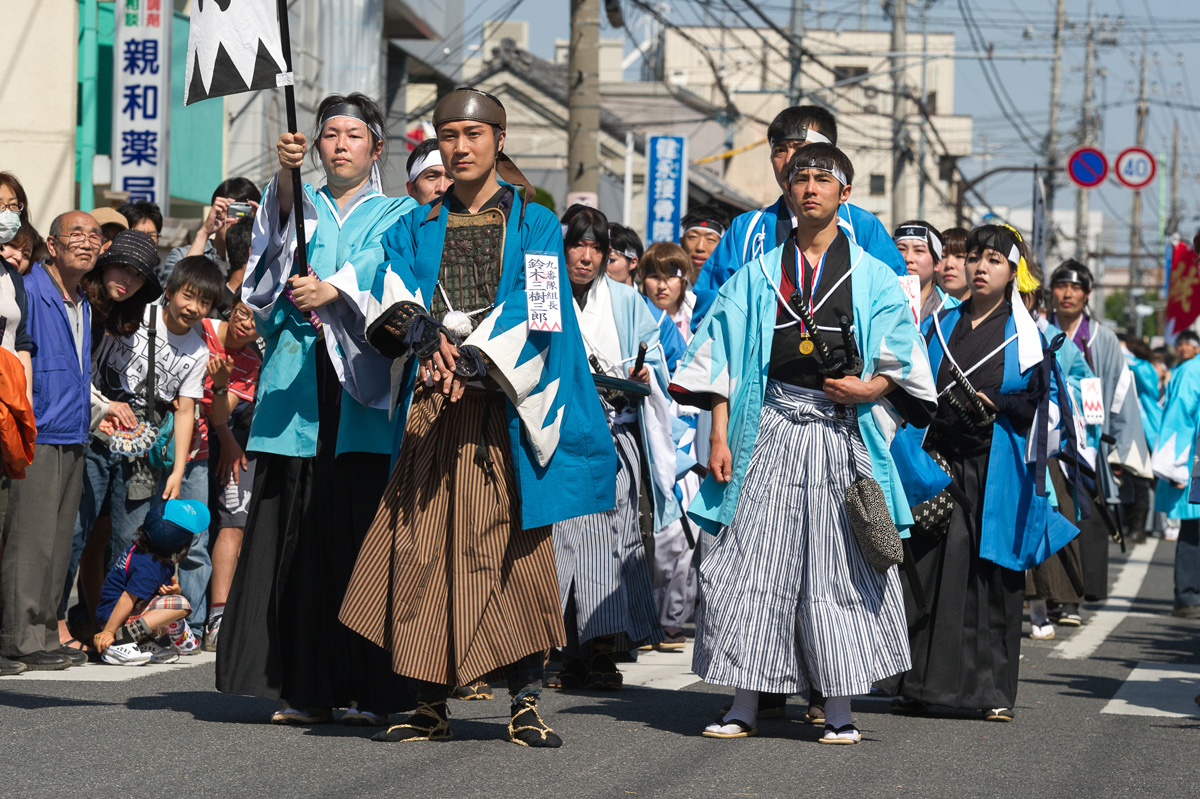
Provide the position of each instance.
(141, 599)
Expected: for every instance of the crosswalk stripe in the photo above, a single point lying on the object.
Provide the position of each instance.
(1115, 609)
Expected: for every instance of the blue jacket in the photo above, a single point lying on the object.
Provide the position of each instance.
(755, 233)
(61, 387)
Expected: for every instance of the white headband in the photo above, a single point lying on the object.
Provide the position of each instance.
(431, 158)
(837, 173)
(921, 233)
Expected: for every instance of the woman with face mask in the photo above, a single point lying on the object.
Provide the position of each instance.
(320, 429)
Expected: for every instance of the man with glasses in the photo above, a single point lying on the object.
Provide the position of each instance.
(42, 507)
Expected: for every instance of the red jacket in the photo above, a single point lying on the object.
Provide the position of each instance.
(18, 432)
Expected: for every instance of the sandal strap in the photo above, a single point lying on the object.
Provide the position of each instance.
(842, 729)
(743, 726)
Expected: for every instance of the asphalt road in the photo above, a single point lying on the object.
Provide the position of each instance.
(1106, 716)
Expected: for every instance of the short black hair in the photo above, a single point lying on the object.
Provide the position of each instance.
(237, 243)
(200, 274)
(581, 223)
(624, 239)
(1071, 265)
(135, 212)
(810, 116)
(1188, 337)
(699, 215)
(824, 155)
(420, 151)
(238, 189)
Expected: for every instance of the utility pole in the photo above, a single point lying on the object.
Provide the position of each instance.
(1060, 18)
(899, 107)
(1085, 134)
(925, 106)
(796, 30)
(1135, 216)
(1173, 217)
(583, 104)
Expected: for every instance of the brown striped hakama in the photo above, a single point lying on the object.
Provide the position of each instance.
(447, 579)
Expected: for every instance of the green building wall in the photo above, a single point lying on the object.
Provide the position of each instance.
(197, 132)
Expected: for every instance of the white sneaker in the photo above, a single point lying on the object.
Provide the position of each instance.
(188, 644)
(126, 655)
(158, 654)
(1041, 632)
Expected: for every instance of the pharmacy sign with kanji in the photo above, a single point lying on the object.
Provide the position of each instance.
(142, 99)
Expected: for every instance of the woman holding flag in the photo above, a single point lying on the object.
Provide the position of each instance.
(321, 430)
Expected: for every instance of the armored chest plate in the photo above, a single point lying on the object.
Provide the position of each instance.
(472, 257)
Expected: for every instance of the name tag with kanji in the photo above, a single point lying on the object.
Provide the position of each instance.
(1092, 396)
(543, 299)
(912, 289)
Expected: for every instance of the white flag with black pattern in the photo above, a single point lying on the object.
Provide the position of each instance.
(234, 46)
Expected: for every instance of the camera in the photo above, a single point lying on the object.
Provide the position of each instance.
(239, 210)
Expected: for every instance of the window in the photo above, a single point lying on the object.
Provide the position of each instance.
(846, 73)
(878, 185)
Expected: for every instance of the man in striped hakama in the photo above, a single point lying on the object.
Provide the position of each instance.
(604, 579)
(788, 601)
(504, 436)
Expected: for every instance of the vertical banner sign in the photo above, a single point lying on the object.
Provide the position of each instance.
(142, 99)
(666, 187)
(1183, 294)
(1039, 232)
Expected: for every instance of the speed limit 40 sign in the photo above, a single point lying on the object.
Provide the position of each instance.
(1135, 167)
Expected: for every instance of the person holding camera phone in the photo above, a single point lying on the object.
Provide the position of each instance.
(233, 200)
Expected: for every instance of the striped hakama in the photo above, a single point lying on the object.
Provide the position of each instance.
(673, 569)
(447, 579)
(603, 576)
(787, 599)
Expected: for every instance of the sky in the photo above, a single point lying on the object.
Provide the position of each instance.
(1012, 27)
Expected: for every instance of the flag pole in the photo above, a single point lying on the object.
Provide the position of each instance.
(289, 98)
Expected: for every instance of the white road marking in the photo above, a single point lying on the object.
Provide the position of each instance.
(1158, 689)
(103, 672)
(1115, 609)
(666, 671)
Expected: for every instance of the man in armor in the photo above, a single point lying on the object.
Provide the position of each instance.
(504, 435)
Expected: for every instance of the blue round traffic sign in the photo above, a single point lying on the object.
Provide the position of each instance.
(1087, 167)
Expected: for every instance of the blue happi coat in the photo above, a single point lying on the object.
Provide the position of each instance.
(1145, 380)
(1172, 459)
(755, 233)
(562, 450)
(344, 250)
(613, 308)
(1020, 529)
(730, 357)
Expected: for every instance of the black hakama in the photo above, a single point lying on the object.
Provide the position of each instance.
(280, 634)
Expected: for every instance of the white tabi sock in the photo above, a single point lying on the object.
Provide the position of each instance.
(745, 707)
